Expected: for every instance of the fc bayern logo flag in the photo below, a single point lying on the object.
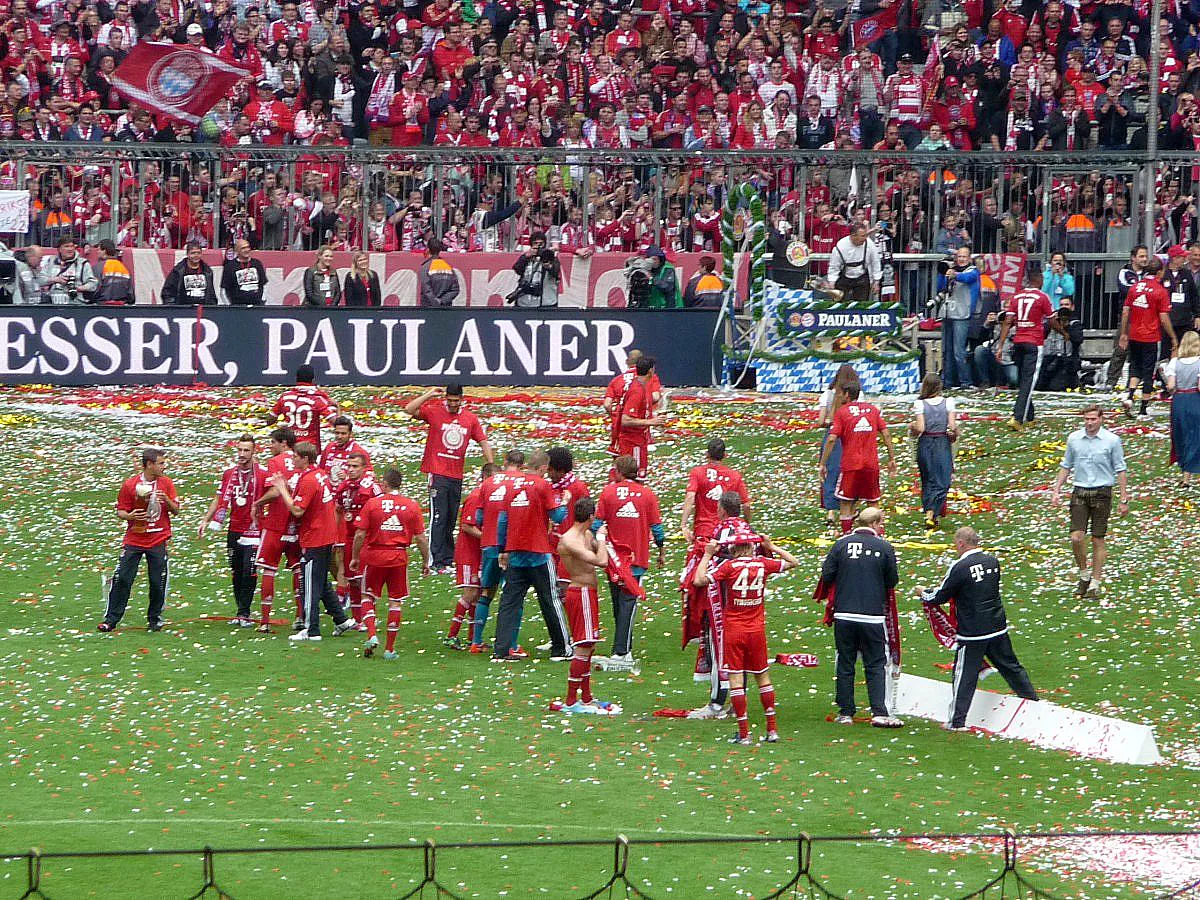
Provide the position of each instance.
(871, 28)
(180, 81)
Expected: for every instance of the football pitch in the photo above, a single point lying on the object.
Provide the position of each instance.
(208, 735)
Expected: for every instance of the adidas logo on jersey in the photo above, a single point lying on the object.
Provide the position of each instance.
(863, 425)
(520, 499)
(628, 511)
(498, 494)
(715, 492)
(392, 523)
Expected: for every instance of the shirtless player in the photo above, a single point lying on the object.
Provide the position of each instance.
(581, 553)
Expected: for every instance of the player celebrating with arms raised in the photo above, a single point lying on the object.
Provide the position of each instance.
(383, 532)
(742, 580)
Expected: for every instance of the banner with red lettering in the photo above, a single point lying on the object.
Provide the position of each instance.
(484, 279)
(869, 29)
(178, 80)
(1007, 270)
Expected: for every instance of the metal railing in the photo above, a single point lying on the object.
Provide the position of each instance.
(1090, 205)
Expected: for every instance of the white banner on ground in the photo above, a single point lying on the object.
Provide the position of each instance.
(1042, 724)
(14, 211)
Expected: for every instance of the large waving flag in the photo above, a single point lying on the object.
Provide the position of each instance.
(180, 81)
(871, 28)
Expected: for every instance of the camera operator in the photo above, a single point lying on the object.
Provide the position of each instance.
(67, 277)
(1060, 353)
(538, 275)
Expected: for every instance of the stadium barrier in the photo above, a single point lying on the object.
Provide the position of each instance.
(69, 345)
(802, 852)
(1059, 199)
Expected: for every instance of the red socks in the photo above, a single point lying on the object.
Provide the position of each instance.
(463, 611)
(368, 615)
(737, 697)
(847, 525)
(767, 696)
(579, 678)
(393, 627)
(268, 597)
(356, 599)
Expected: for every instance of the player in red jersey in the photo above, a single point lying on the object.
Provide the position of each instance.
(620, 384)
(467, 557)
(634, 414)
(241, 484)
(145, 503)
(581, 553)
(358, 486)
(278, 529)
(630, 513)
(451, 430)
(855, 426)
(311, 504)
(493, 497)
(560, 472)
(302, 408)
(742, 581)
(523, 536)
(383, 532)
(338, 451)
(1029, 310)
(706, 484)
(1146, 316)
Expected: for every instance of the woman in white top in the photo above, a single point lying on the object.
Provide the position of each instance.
(936, 428)
(830, 402)
(1183, 381)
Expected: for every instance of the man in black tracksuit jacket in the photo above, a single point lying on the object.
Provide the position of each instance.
(973, 583)
(861, 568)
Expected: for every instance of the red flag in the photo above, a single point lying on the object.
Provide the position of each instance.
(931, 75)
(180, 81)
(620, 572)
(871, 28)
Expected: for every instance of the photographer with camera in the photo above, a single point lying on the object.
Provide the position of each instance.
(26, 288)
(538, 275)
(67, 277)
(1060, 353)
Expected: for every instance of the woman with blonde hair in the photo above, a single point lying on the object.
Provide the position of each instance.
(831, 401)
(321, 285)
(936, 428)
(361, 287)
(1183, 381)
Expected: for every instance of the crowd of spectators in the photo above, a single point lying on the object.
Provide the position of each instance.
(1021, 76)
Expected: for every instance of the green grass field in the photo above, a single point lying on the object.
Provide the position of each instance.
(203, 734)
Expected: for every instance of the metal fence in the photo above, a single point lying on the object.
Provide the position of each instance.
(425, 871)
(1092, 206)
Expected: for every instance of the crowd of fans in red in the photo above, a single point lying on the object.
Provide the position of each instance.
(676, 74)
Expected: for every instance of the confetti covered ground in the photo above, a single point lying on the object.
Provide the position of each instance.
(203, 734)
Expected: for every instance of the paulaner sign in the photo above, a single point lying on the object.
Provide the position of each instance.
(848, 318)
(75, 346)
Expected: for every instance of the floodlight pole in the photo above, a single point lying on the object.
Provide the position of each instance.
(1152, 111)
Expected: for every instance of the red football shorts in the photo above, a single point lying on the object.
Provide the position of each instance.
(858, 484)
(583, 614)
(639, 449)
(394, 578)
(745, 651)
(275, 546)
(468, 573)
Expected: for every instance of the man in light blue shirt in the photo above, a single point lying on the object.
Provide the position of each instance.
(1095, 456)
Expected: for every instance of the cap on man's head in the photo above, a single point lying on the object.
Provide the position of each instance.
(1177, 251)
(265, 85)
(951, 81)
(906, 57)
(195, 28)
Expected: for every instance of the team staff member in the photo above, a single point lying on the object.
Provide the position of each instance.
(145, 503)
(243, 278)
(1145, 318)
(241, 484)
(1095, 456)
(523, 536)
(859, 575)
(1029, 310)
(312, 505)
(973, 586)
(451, 429)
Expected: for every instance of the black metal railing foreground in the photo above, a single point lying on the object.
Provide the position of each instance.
(1010, 847)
